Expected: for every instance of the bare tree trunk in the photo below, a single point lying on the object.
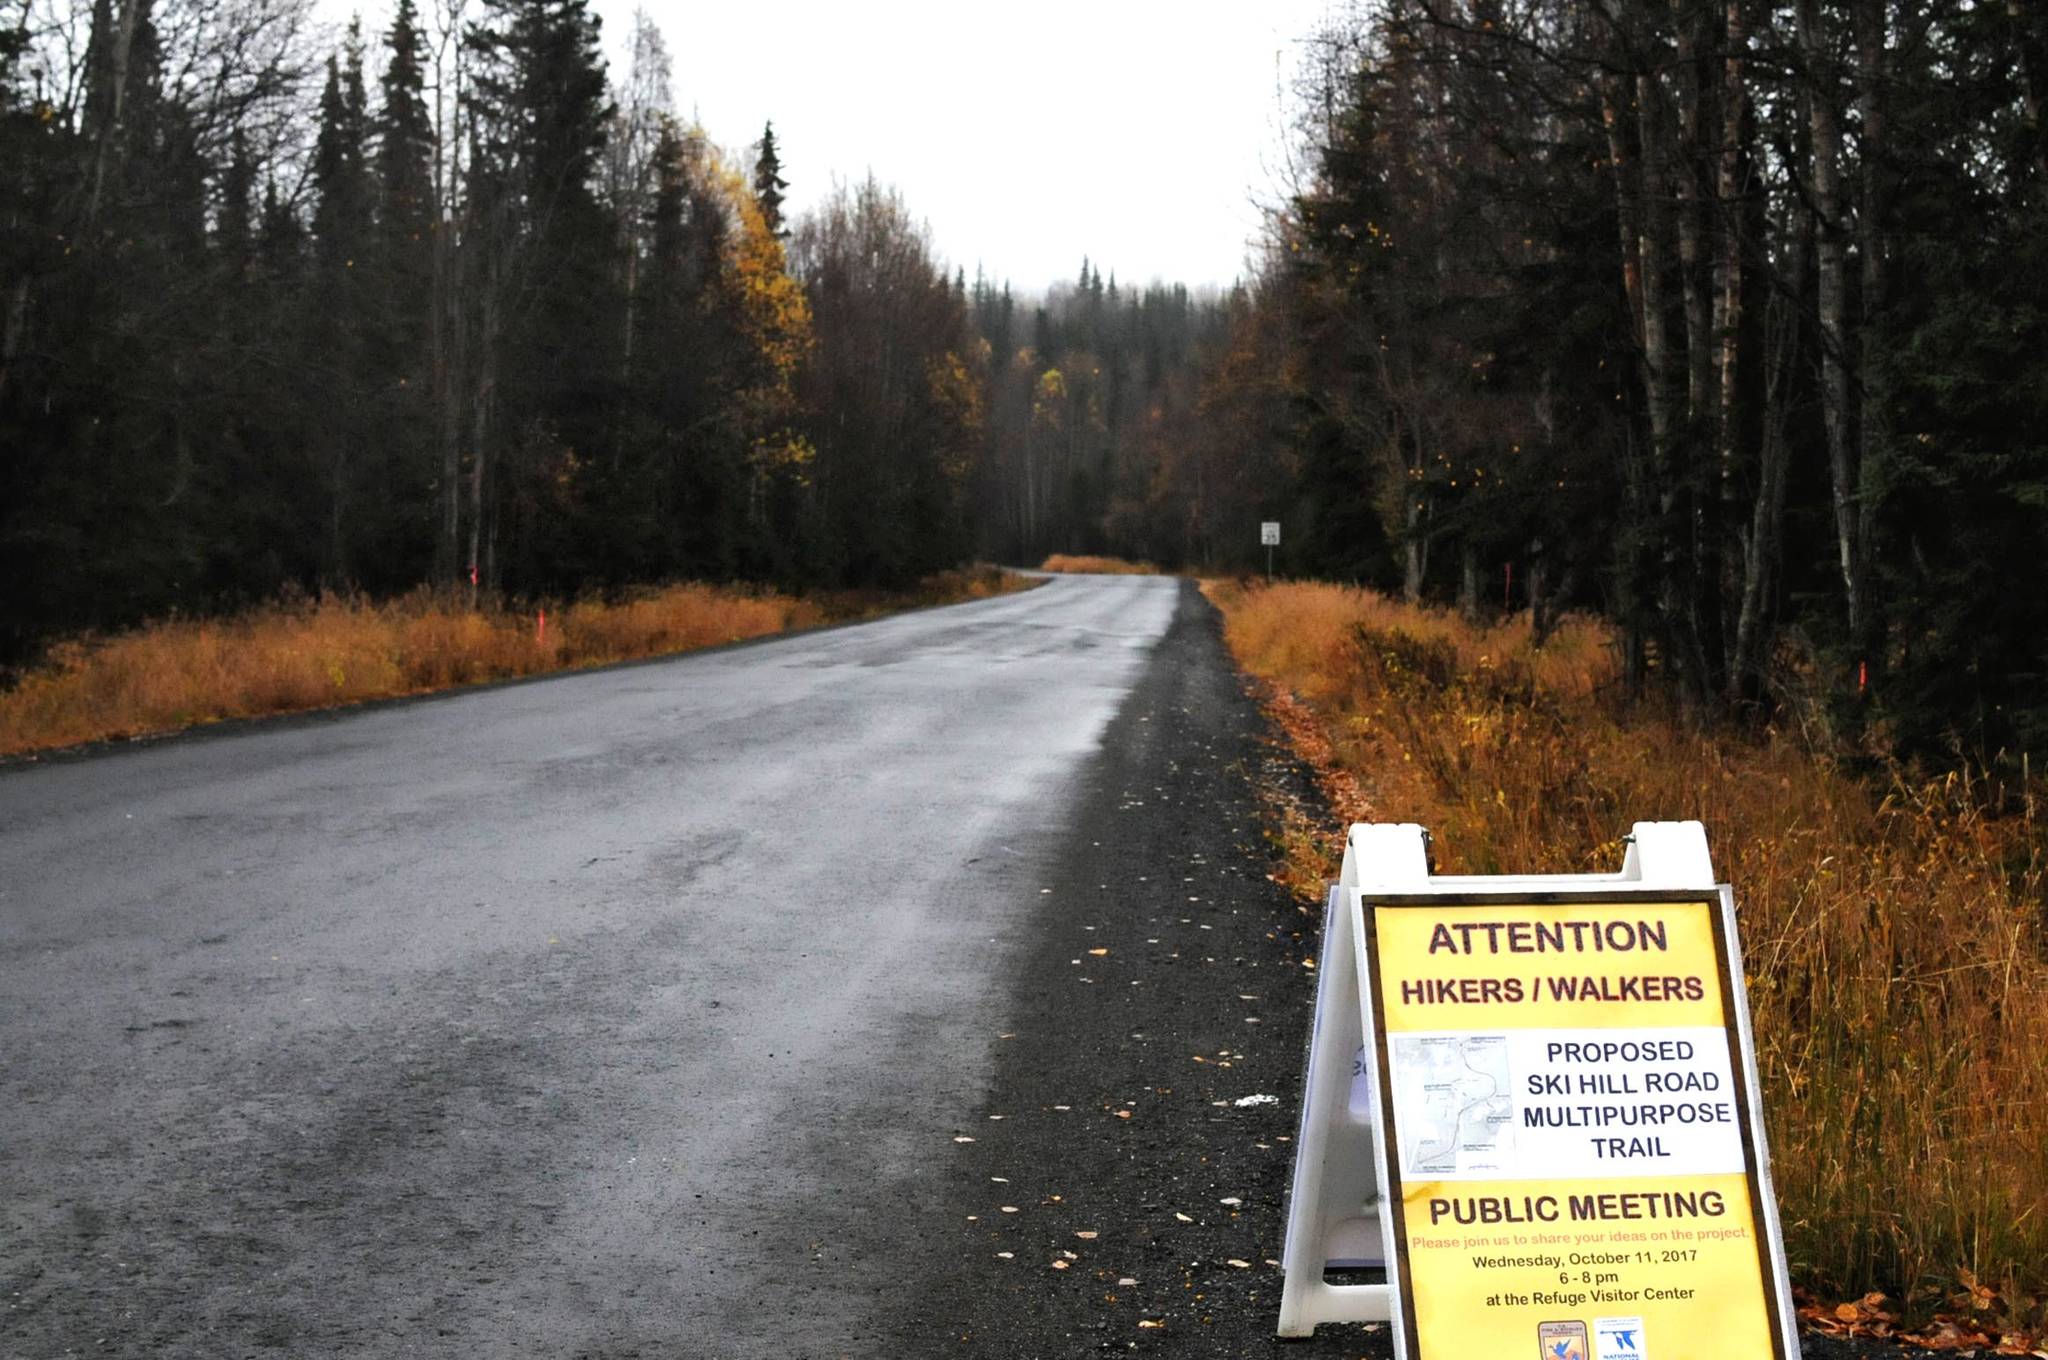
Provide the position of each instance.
(1468, 581)
(1830, 256)
(1728, 318)
(448, 323)
(1627, 205)
(1693, 219)
(117, 103)
(1413, 564)
(1695, 486)
(1728, 282)
(447, 331)
(1680, 636)
(1652, 251)
(1873, 77)
(1762, 543)
(482, 425)
(1414, 515)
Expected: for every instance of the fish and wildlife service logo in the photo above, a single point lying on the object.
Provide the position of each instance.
(1562, 1340)
(1618, 1338)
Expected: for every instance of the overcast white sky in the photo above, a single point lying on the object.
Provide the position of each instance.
(1136, 132)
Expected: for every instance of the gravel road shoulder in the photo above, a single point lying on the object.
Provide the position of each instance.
(1114, 1195)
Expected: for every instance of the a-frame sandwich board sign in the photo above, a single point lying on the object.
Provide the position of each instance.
(1337, 1219)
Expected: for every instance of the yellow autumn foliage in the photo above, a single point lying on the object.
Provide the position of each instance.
(774, 311)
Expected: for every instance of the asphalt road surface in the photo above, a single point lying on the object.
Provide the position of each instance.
(883, 991)
(622, 1013)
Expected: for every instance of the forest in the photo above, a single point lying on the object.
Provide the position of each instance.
(1721, 318)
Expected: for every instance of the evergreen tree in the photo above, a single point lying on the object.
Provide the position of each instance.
(404, 135)
(336, 375)
(546, 371)
(234, 230)
(342, 201)
(768, 181)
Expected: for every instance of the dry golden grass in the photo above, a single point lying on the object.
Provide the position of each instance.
(1894, 936)
(319, 653)
(1100, 566)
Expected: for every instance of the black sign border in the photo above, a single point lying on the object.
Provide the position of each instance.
(1719, 902)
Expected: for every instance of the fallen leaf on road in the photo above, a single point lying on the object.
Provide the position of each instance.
(1098, 953)
(1059, 1265)
(1007, 1255)
(1241, 1265)
(963, 1138)
(1233, 1201)
(1009, 1208)
(1182, 1217)
(1086, 1236)
(1150, 1322)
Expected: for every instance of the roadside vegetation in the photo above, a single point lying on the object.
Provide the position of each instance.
(1893, 925)
(319, 653)
(1102, 566)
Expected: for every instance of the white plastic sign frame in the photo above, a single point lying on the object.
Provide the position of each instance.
(1338, 1213)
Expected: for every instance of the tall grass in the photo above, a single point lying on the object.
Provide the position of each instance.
(308, 654)
(1101, 566)
(1893, 931)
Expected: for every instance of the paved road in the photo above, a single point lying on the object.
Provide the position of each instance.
(571, 1017)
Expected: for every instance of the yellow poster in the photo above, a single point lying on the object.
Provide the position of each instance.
(1568, 1121)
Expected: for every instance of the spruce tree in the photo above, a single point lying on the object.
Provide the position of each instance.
(233, 230)
(549, 332)
(336, 370)
(404, 134)
(768, 181)
(342, 202)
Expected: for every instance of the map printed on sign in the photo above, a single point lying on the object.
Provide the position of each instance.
(1567, 1118)
(1458, 1093)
